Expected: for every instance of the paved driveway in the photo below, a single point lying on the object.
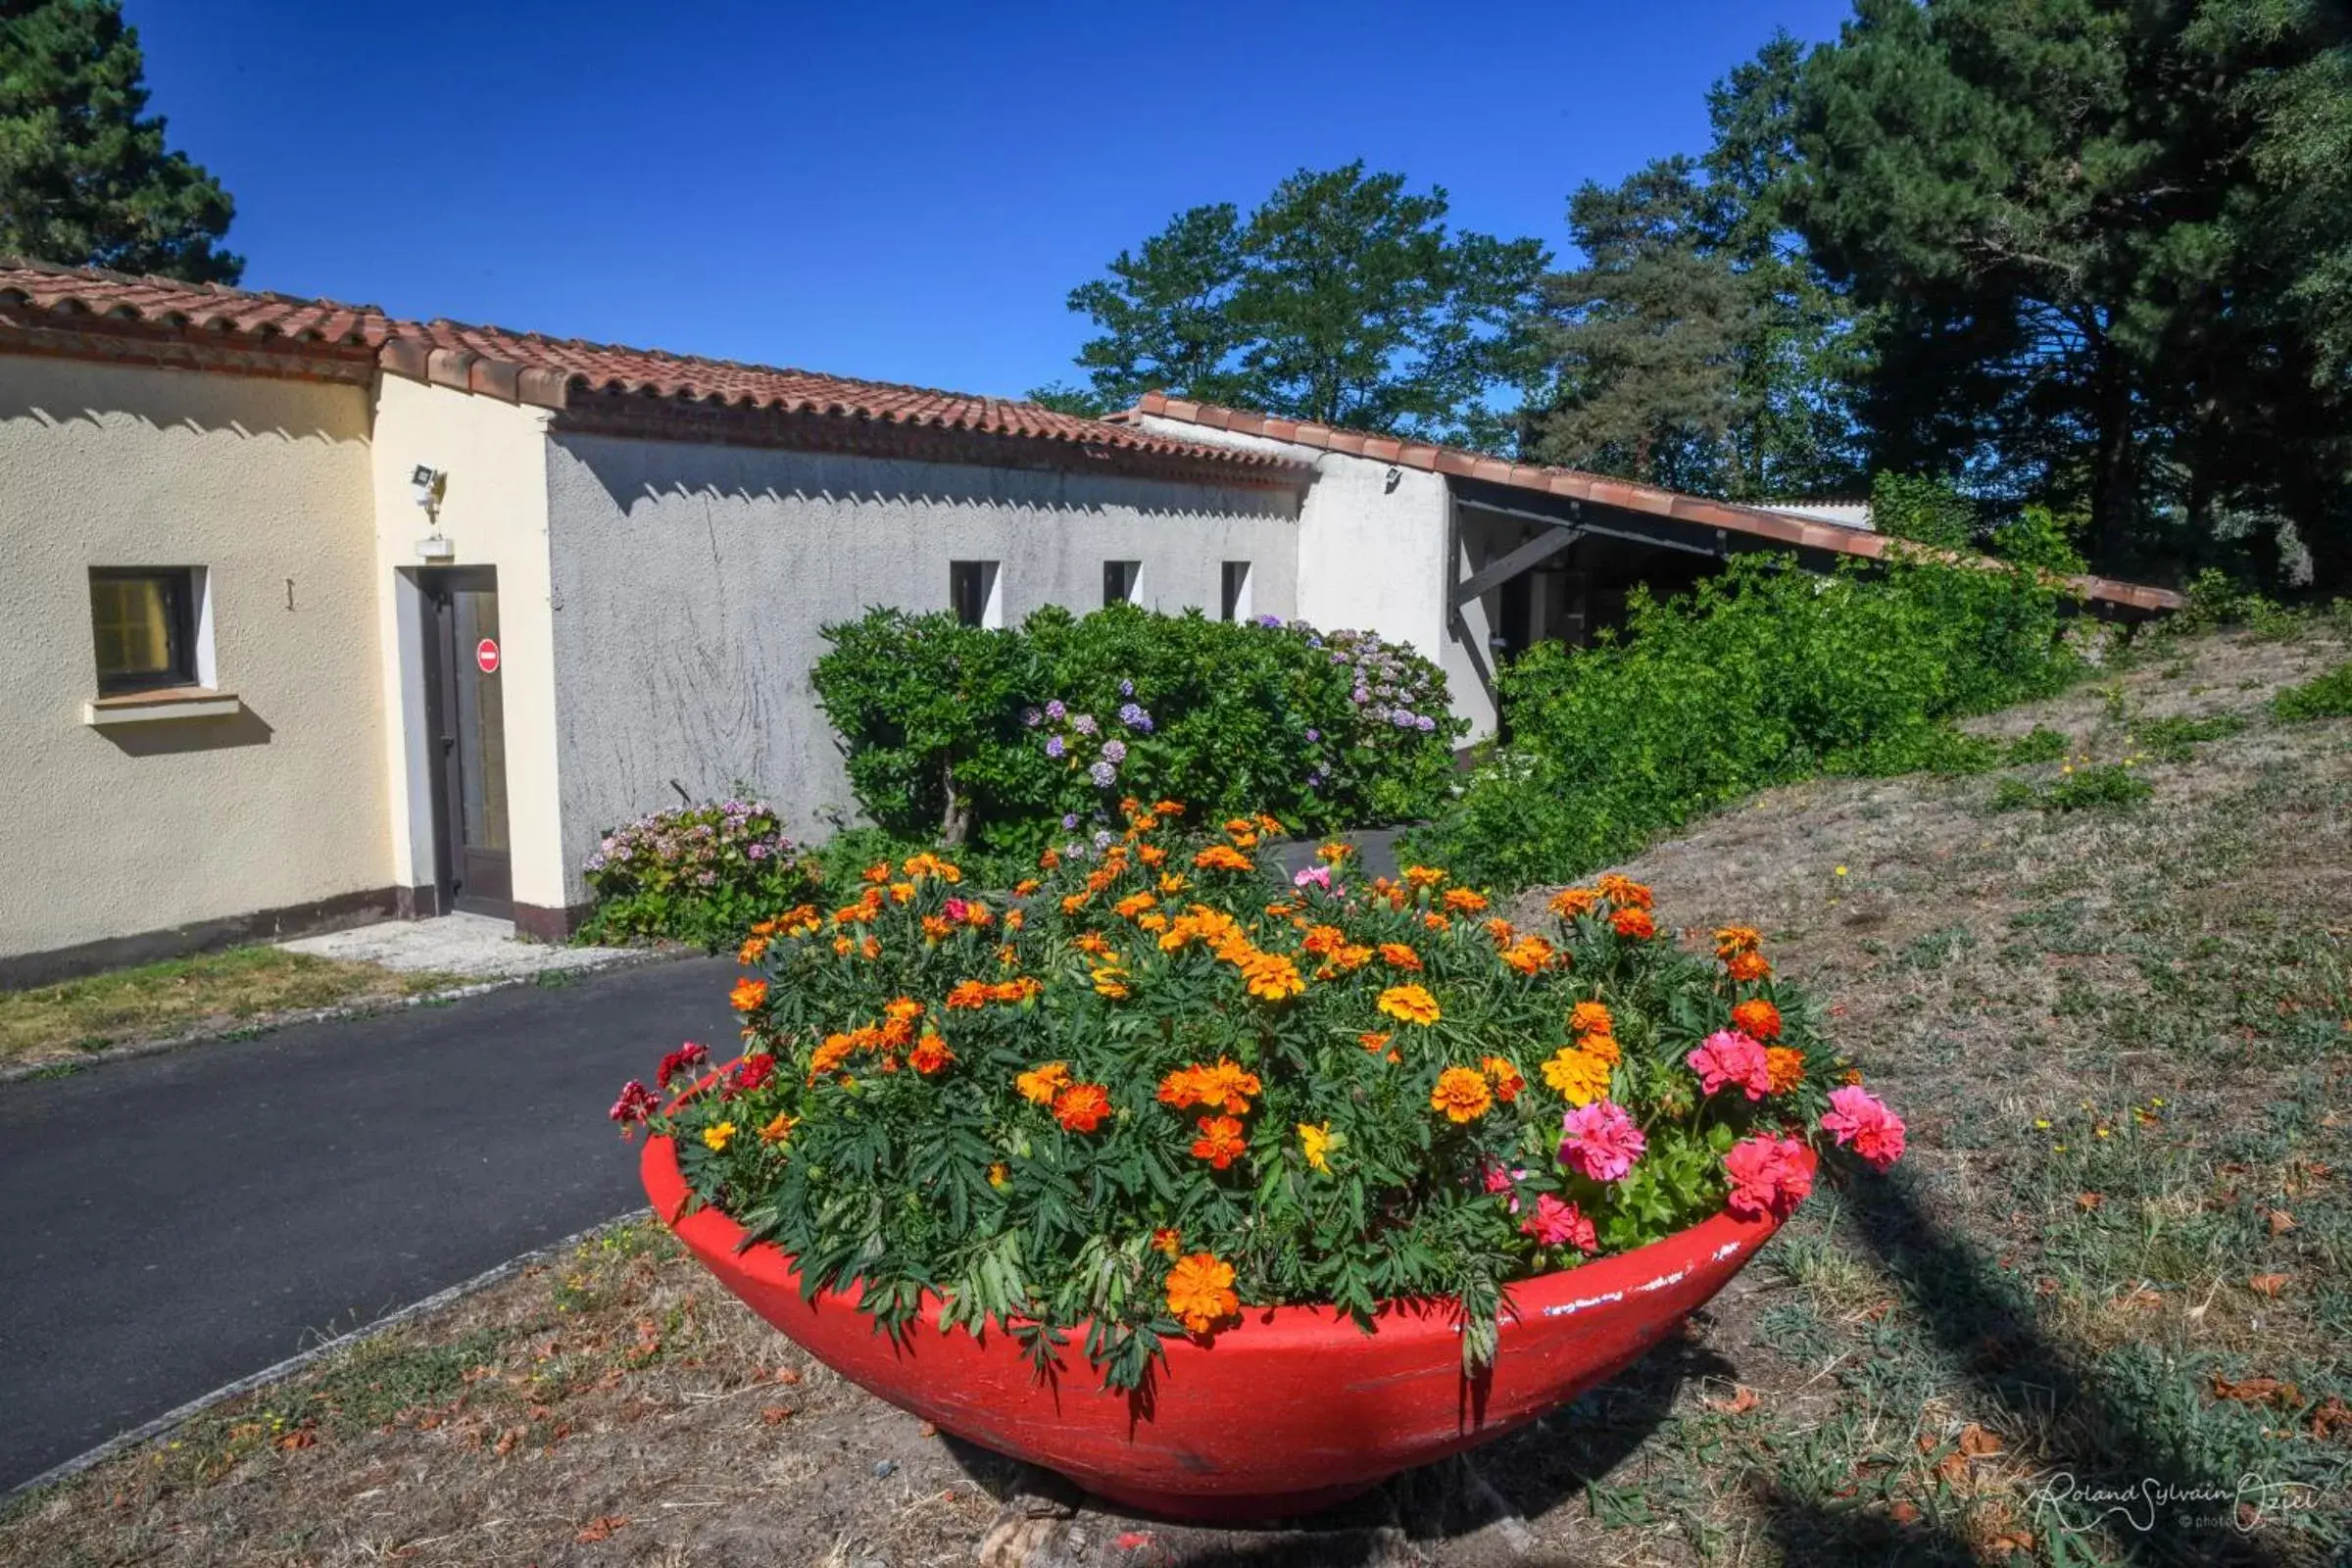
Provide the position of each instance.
(172, 1223)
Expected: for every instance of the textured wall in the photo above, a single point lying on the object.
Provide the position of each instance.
(693, 580)
(107, 832)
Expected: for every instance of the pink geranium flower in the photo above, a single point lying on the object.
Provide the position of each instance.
(1769, 1176)
(1601, 1141)
(1556, 1224)
(1730, 1057)
(1860, 1120)
(1312, 876)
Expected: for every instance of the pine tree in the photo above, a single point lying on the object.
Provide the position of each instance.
(86, 178)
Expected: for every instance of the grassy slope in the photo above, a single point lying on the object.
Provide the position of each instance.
(1894, 1381)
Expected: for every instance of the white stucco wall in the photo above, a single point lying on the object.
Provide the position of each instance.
(495, 513)
(124, 831)
(1372, 556)
(693, 580)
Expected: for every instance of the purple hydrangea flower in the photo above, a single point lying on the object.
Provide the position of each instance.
(1055, 747)
(1126, 688)
(1104, 775)
(1134, 718)
(1114, 751)
(1030, 717)
(1314, 735)
(1084, 723)
(1069, 822)
(1425, 724)
(1401, 719)
(1102, 839)
(1054, 711)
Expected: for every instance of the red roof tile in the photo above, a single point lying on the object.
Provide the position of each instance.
(523, 366)
(1793, 532)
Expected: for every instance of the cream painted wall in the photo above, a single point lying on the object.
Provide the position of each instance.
(122, 830)
(694, 578)
(495, 512)
(1372, 557)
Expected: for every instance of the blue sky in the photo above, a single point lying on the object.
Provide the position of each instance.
(899, 191)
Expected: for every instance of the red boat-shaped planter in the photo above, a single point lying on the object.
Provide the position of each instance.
(1290, 1410)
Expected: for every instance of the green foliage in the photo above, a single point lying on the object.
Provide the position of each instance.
(2040, 539)
(1930, 511)
(1010, 740)
(2176, 740)
(1055, 1110)
(699, 874)
(2216, 599)
(2041, 744)
(85, 177)
(2095, 786)
(1344, 297)
(1763, 675)
(2328, 696)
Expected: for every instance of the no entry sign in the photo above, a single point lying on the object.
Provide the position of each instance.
(485, 654)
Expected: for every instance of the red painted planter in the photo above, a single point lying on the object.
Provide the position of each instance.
(1294, 1409)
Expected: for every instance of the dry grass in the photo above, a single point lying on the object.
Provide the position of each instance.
(2120, 1037)
(210, 991)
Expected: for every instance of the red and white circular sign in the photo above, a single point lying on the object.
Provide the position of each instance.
(485, 654)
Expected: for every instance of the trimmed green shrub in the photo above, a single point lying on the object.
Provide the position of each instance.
(1007, 741)
(2328, 696)
(1759, 676)
(699, 874)
(2041, 744)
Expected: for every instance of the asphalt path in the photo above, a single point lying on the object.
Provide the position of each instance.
(172, 1223)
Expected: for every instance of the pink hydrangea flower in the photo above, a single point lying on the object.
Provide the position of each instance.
(1601, 1141)
(1730, 1057)
(1556, 1224)
(1769, 1176)
(1859, 1119)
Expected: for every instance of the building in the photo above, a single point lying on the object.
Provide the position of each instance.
(316, 614)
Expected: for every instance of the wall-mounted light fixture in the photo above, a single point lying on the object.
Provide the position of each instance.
(428, 486)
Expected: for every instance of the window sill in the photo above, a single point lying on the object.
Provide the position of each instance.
(170, 702)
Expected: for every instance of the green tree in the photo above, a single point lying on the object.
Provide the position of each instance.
(1344, 297)
(86, 176)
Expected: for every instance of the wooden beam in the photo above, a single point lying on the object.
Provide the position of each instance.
(1659, 536)
(1542, 547)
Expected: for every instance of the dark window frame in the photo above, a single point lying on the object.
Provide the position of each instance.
(180, 629)
(981, 577)
(1231, 588)
(1121, 579)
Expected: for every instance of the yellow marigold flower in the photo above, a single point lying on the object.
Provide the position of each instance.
(1462, 1094)
(1423, 876)
(1314, 1142)
(1111, 981)
(747, 995)
(1410, 1005)
(1040, 1085)
(751, 949)
(1334, 852)
(1154, 923)
(1591, 1018)
(1273, 977)
(1579, 1077)
(1174, 882)
(1570, 902)
(716, 1138)
(999, 1174)
(1200, 1293)
(779, 1128)
(901, 893)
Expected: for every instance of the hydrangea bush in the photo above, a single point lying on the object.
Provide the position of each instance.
(1019, 739)
(1159, 1082)
(699, 874)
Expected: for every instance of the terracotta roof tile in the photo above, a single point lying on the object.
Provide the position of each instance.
(1600, 490)
(525, 367)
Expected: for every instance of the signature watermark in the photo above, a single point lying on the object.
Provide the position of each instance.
(2245, 1505)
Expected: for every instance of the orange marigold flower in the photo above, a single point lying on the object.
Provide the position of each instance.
(1434, 921)
(798, 922)
(1220, 1142)
(1373, 1039)
(1748, 967)
(936, 929)
(1273, 977)
(870, 948)
(1530, 955)
(1082, 1107)
(1153, 922)
(1049, 859)
(1462, 1094)
(1500, 931)
(751, 949)
(1731, 939)
(1591, 1018)
(1334, 852)
(1397, 955)
(1167, 1240)
(1579, 1077)
(1152, 855)
(1624, 892)
(1093, 941)
(1027, 886)
(1039, 1085)
(1505, 1076)
(903, 1008)
(879, 872)
(1165, 808)
(1462, 901)
(1570, 902)
(1787, 1066)
(1352, 956)
(1133, 904)
(1321, 939)
(1221, 857)
(764, 929)
(1174, 882)
(1757, 1018)
(1000, 1174)
(842, 947)
(901, 893)
(831, 1054)
(1073, 903)
(1423, 876)
(1602, 1046)
(1635, 924)
(1200, 1293)
(930, 1055)
(897, 1033)
(971, 994)
(747, 994)
(1021, 987)
(1410, 1005)
(779, 1128)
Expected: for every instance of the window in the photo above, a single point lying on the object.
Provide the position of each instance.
(1119, 580)
(972, 593)
(143, 624)
(1236, 599)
